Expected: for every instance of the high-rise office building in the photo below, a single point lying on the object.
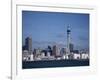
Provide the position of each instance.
(56, 51)
(28, 44)
(71, 47)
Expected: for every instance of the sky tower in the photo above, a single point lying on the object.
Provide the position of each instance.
(68, 40)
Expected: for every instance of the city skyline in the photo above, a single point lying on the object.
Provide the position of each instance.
(50, 28)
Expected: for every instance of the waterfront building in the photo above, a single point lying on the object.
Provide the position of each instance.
(85, 55)
(25, 55)
(77, 56)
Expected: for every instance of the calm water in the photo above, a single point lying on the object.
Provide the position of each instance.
(54, 63)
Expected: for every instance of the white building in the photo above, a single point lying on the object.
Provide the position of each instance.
(26, 56)
(48, 54)
(84, 56)
(76, 56)
(31, 57)
(42, 54)
(81, 55)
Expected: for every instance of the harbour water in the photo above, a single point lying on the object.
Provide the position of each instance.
(54, 63)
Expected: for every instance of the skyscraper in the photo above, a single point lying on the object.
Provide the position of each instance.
(28, 44)
(56, 51)
(71, 47)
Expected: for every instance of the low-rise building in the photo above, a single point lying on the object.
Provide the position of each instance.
(84, 55)
(26, 56)
(77, 56)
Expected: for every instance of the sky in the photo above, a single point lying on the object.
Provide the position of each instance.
(50, 28)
